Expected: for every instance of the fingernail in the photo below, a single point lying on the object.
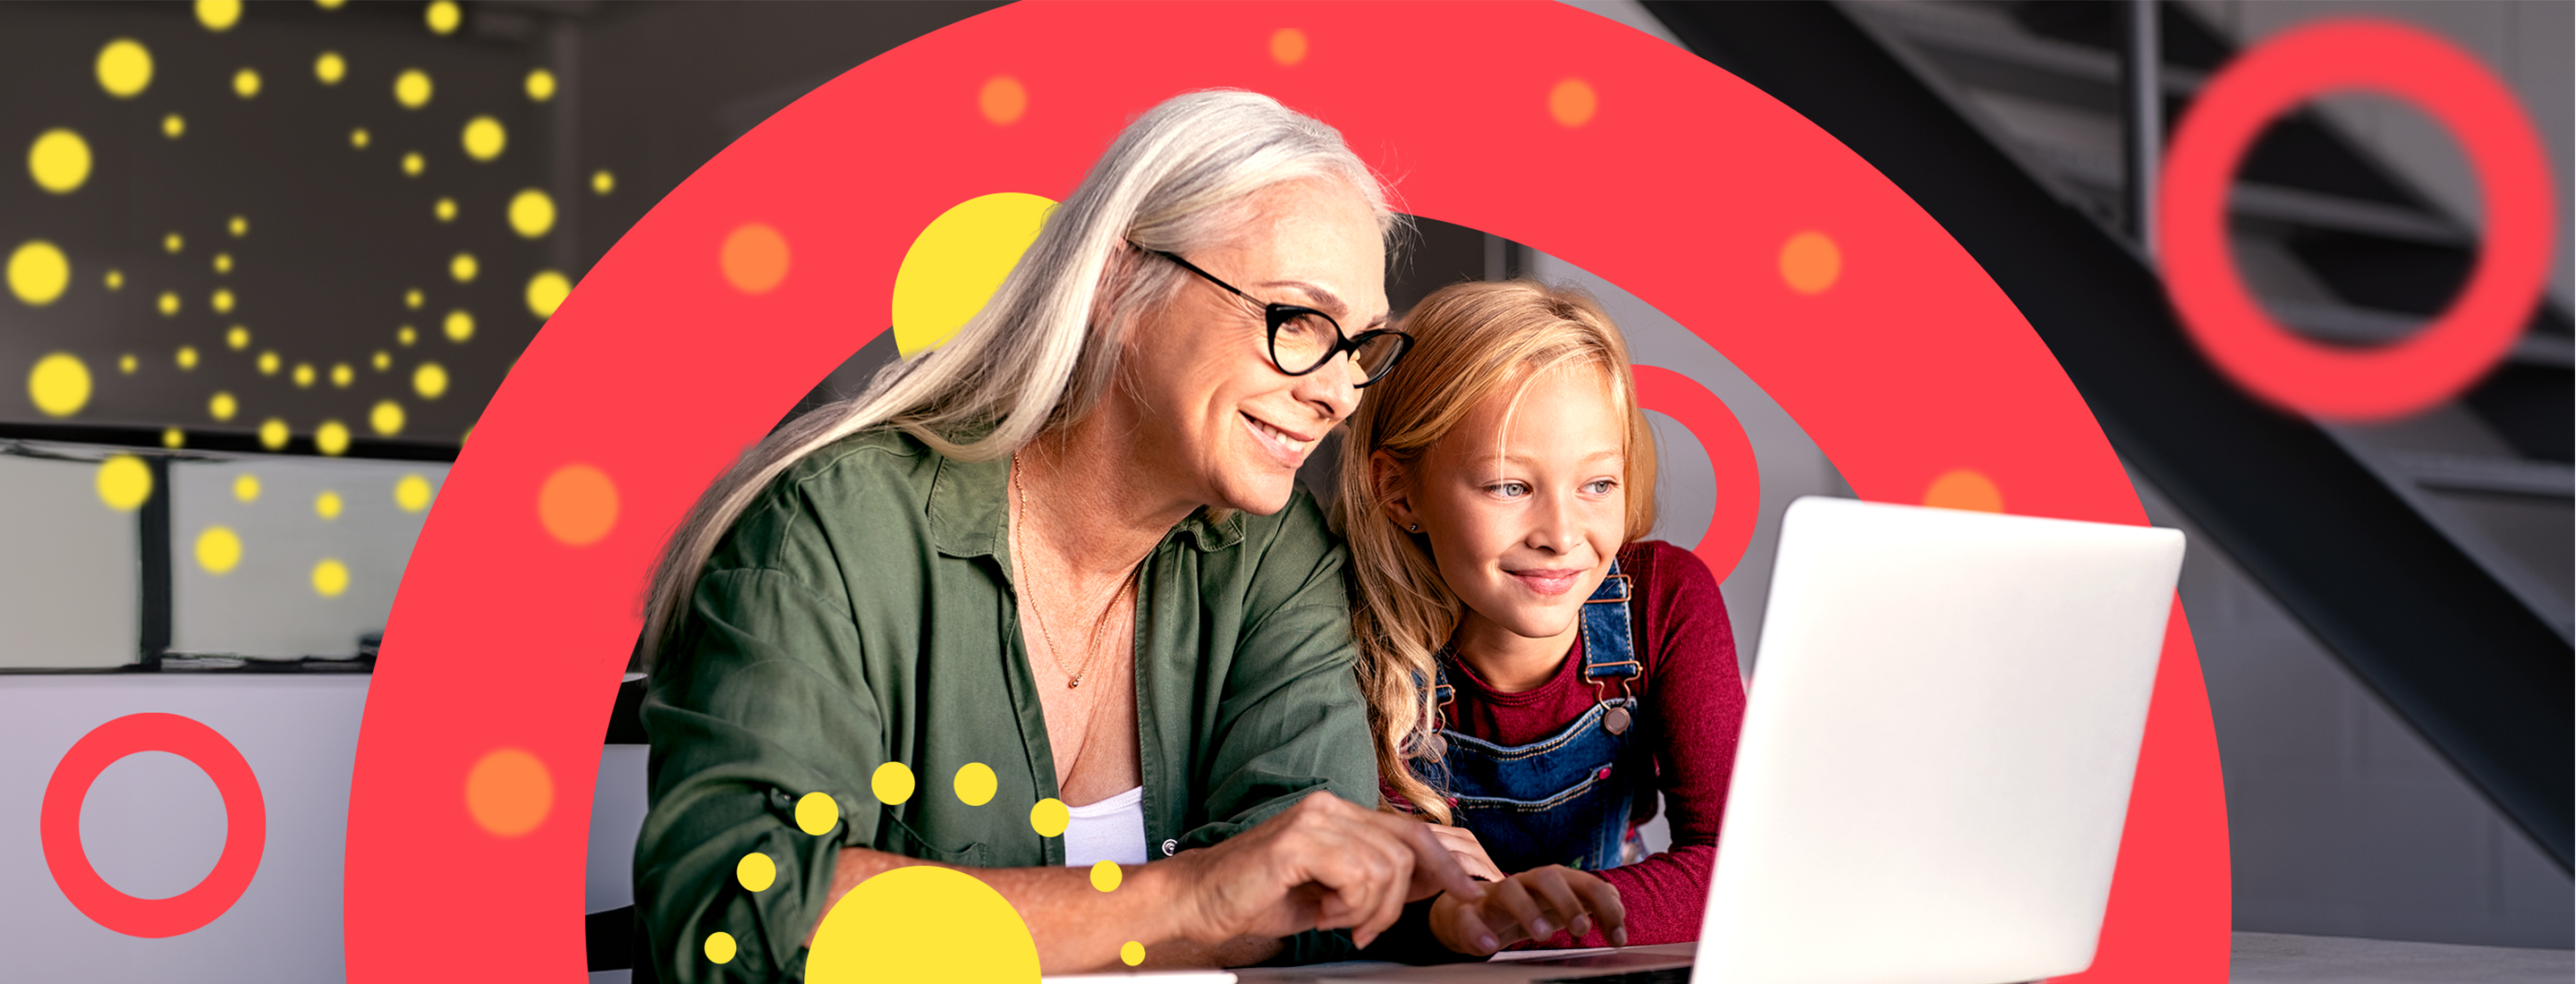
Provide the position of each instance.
(1489, 943)
(1542, 929)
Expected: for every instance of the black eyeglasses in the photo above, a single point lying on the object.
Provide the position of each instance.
(1302, 339)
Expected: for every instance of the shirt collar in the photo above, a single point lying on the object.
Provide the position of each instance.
(970, 512)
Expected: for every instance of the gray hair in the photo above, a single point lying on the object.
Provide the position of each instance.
(1043, 352)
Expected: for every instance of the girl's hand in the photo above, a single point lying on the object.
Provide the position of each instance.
(1321, 864)
(1462, 845)
(1531, 905)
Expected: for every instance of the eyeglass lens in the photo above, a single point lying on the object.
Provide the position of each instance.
(1302, 340)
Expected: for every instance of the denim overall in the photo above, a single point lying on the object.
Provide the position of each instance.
(1565, 798)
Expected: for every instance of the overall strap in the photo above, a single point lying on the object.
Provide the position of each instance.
(1609, 641)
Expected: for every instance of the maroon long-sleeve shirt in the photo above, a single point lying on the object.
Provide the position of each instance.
(1694, 707)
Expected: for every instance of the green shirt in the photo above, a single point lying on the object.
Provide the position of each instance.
(861, 612)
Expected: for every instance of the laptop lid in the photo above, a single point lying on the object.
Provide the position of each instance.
(1941, 730)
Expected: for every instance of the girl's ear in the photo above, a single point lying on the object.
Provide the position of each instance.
(1394, 491)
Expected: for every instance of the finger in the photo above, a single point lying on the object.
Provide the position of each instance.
(1554, 895)
(1434, 869)
(1471, 855)
(1471, 927)
(1608, 912)
(1511, 898)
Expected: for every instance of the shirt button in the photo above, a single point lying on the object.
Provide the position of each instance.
(1170, 847)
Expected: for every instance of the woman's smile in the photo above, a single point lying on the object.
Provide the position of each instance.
(1549, 581)
(1289, 448)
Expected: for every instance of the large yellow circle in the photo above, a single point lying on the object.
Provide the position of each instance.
(756, 872)
(124, 68)
(219, 15)
(124, 482)
(59, 384)
(532, 213)
(59, 161)
(412, 88)
(922, 923)
(892, 783)
(976, 784)
(817, 814)
(484, 138)
(330, 577)
(957, 262)
(38, 272)
(546, 292)
(219, 550)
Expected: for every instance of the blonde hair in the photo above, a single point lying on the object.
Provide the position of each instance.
(1043, 352)
(1470, 341)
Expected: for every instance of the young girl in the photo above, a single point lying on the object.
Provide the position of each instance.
(1536, 673)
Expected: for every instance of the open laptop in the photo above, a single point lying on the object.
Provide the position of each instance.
(1941, 728)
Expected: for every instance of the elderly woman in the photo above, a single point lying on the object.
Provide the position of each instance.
(1059, 570)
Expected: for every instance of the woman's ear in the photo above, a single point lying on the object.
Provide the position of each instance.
(1394, 489)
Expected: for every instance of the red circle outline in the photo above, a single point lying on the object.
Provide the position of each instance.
(245, 825)
(1730, 461)
(2461, 344)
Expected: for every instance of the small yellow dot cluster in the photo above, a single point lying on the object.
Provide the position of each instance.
(124, 483)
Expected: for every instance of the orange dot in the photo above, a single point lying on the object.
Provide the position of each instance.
(1965, 488)
(509, 792)
(754, 258)
(1004, 100)
(578, 504)
(1810, 262)
(1287, 46)
(1572, 102)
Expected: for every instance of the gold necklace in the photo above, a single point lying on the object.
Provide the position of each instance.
(1091, 645)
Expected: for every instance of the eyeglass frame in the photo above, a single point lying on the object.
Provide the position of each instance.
(1274, 314)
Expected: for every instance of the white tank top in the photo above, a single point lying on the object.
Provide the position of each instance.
(1110, 830)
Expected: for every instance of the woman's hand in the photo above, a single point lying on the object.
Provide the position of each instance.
(1469, 852)
(1531, 905)
(1321, 864)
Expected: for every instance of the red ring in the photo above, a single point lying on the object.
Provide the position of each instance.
(1730, 461)
(2482, 322)
(245, 825)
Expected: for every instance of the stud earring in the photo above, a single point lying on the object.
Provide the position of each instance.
(1415, 528)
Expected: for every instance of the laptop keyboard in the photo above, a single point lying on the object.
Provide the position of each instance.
(1666, 975)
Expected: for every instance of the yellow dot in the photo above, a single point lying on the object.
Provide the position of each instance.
(330, 577)
(957, 262)
(413, 164)
(754, 258)
(223, 263)
(342, 375)
(922, 923)
(1105, 876)
(484, 138)
(219, 550)
(38, 272)
(124, 68)
(602, 182)
(124, 482)
(412, 88)
(303, 375)
(1572, 102)
(462, 267)
(332, 438)
(892, 783)
(509, 792)
(443, 16)
(127, 363)
(1964, 488)
(273, 434)
(383, 360)
(219, 15)
(817, 814)
(174, 126)
(532, 213)
(430, 380)
(1810, 262)
(329, 4)
(246, 487)
(756, 872)
(171, 437)
(222, 406)
(458, 326)
(359, 138)
(238, 225)
(221, 300)
(406, 335)
(327, 505)
(1287, 46)
(386, 419)
(1003, 100)
(172, 243)
(412, 494)
(976, 783)
(329, 68)
(720, 947)
(237, 338)
(268, 363)
(444, 209)
(246, 83)
(1131, 953)
(412, 298)
(186, 358)
(59, 161)
(168, 303)
(541, 84)
(1050, 817)
(59, 384)
(546, 292)
(115, 279)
